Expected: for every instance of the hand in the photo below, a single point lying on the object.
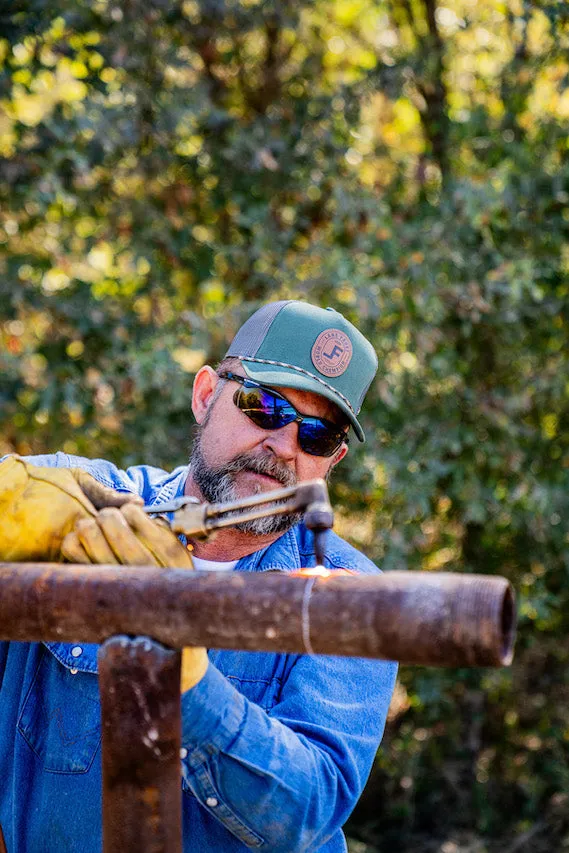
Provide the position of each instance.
(130, 537)
(39, 506)
(127, 536)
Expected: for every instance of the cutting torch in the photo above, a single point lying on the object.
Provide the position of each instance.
(198, 520)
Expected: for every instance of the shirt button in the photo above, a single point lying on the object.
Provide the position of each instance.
(76, 651)
(211, 802)
(73, 671)
(183, 752)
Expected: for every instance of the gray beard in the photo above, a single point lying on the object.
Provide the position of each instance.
(217, 485)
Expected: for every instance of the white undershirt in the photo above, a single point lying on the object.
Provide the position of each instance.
(213, 565)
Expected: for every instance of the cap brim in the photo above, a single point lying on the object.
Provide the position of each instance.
(285, 377)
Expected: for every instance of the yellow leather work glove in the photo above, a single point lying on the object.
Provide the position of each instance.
(130, 537)
(39, 506)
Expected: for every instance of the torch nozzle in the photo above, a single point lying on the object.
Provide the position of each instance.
(319, 518)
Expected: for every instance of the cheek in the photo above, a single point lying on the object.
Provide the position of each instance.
(228, 435)
(312, 467)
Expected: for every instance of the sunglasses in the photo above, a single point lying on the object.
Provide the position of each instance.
(270, 410)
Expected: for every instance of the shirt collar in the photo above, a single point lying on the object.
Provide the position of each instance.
(281, 555)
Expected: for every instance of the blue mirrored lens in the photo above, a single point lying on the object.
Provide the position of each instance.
(265, 409)
(317, 439)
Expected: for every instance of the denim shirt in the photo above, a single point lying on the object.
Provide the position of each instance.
(277, 747)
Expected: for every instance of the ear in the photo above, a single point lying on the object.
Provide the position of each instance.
(205, 384)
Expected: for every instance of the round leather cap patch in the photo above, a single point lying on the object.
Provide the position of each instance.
(332, 352)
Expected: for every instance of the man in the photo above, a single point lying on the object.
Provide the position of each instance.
(276, 748)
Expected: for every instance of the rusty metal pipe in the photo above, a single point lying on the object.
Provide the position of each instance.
(432, 619)
(139, 684)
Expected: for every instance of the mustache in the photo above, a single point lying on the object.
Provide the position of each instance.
(268, 465)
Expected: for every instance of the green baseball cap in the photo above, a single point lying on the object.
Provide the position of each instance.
(293, 344)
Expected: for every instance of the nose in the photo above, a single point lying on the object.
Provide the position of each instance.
(283, 442)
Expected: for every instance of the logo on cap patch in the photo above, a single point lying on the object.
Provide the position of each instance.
(332, 352)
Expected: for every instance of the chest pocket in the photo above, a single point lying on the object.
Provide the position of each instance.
(257, 675)
(60, 719)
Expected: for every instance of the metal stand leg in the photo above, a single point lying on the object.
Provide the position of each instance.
(139, 683)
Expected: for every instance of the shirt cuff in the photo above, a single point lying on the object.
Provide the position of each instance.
(213, 713)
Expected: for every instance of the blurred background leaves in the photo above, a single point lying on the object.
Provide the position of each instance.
(166, 167)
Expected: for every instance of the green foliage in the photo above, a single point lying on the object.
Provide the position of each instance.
(166, 167)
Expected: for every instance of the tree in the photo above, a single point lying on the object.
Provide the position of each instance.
(168, 166)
